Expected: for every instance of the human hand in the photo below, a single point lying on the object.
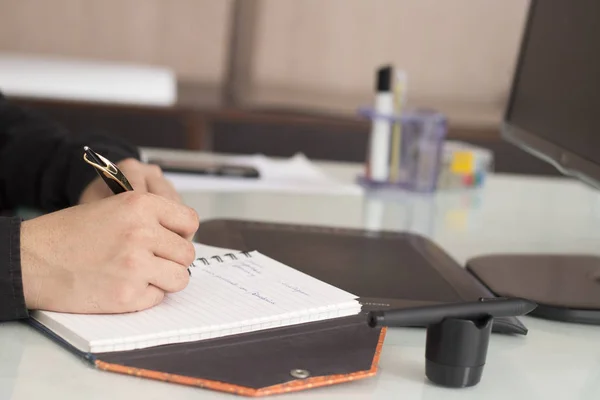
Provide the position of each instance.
(119, 254)
(145, 178)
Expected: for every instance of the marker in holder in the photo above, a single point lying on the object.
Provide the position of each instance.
(415, 150)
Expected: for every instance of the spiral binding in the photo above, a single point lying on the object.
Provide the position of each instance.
(220, 259)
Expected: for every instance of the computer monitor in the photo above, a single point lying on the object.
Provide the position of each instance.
(554, 106)
(553, 112)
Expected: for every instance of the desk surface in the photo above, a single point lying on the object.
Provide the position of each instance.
(510, 214)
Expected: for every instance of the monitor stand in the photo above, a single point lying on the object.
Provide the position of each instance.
(566, 287)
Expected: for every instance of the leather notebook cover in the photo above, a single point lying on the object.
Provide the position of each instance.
(255, 364)
(386, 269)
(262, 363)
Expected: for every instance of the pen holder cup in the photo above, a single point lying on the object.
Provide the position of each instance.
(415, 150)
(456, 350)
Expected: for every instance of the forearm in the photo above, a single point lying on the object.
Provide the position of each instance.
(12, 301)
(41, 163)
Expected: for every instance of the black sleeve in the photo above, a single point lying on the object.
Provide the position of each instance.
(41, 164)
(12, 301)
(41, 167)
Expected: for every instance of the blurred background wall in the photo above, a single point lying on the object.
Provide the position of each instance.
(190, 37)
(459, 54)
(279, 76)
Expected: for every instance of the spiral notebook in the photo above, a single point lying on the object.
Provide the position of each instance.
(228, 294)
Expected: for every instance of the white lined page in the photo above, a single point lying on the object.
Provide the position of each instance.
(221, 298)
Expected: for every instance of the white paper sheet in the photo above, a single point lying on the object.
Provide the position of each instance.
(296, 174)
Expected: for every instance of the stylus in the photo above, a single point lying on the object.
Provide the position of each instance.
(426, 315)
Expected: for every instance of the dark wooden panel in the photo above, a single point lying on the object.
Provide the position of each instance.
(348, 142)
(270, 132)
(142, 126)
(285, 140)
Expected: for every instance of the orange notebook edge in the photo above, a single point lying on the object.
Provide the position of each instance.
(287, 387)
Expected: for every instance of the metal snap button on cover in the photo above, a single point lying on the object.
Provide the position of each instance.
(300, 373)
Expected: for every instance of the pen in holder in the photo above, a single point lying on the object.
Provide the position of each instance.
(458, 334)
(414, 150)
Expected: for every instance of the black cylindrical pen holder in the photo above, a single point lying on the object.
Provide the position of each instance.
(456, 351)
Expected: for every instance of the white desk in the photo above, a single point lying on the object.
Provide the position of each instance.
(511, 214)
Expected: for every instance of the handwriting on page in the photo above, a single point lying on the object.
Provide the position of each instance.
(249, 269)
(262, 297)
(294, 288)
(224, 279)
(242, 276)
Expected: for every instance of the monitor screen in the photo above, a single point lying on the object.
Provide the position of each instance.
(554, 106)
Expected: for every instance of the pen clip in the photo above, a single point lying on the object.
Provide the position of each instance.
(107, 171)
(108, 166)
